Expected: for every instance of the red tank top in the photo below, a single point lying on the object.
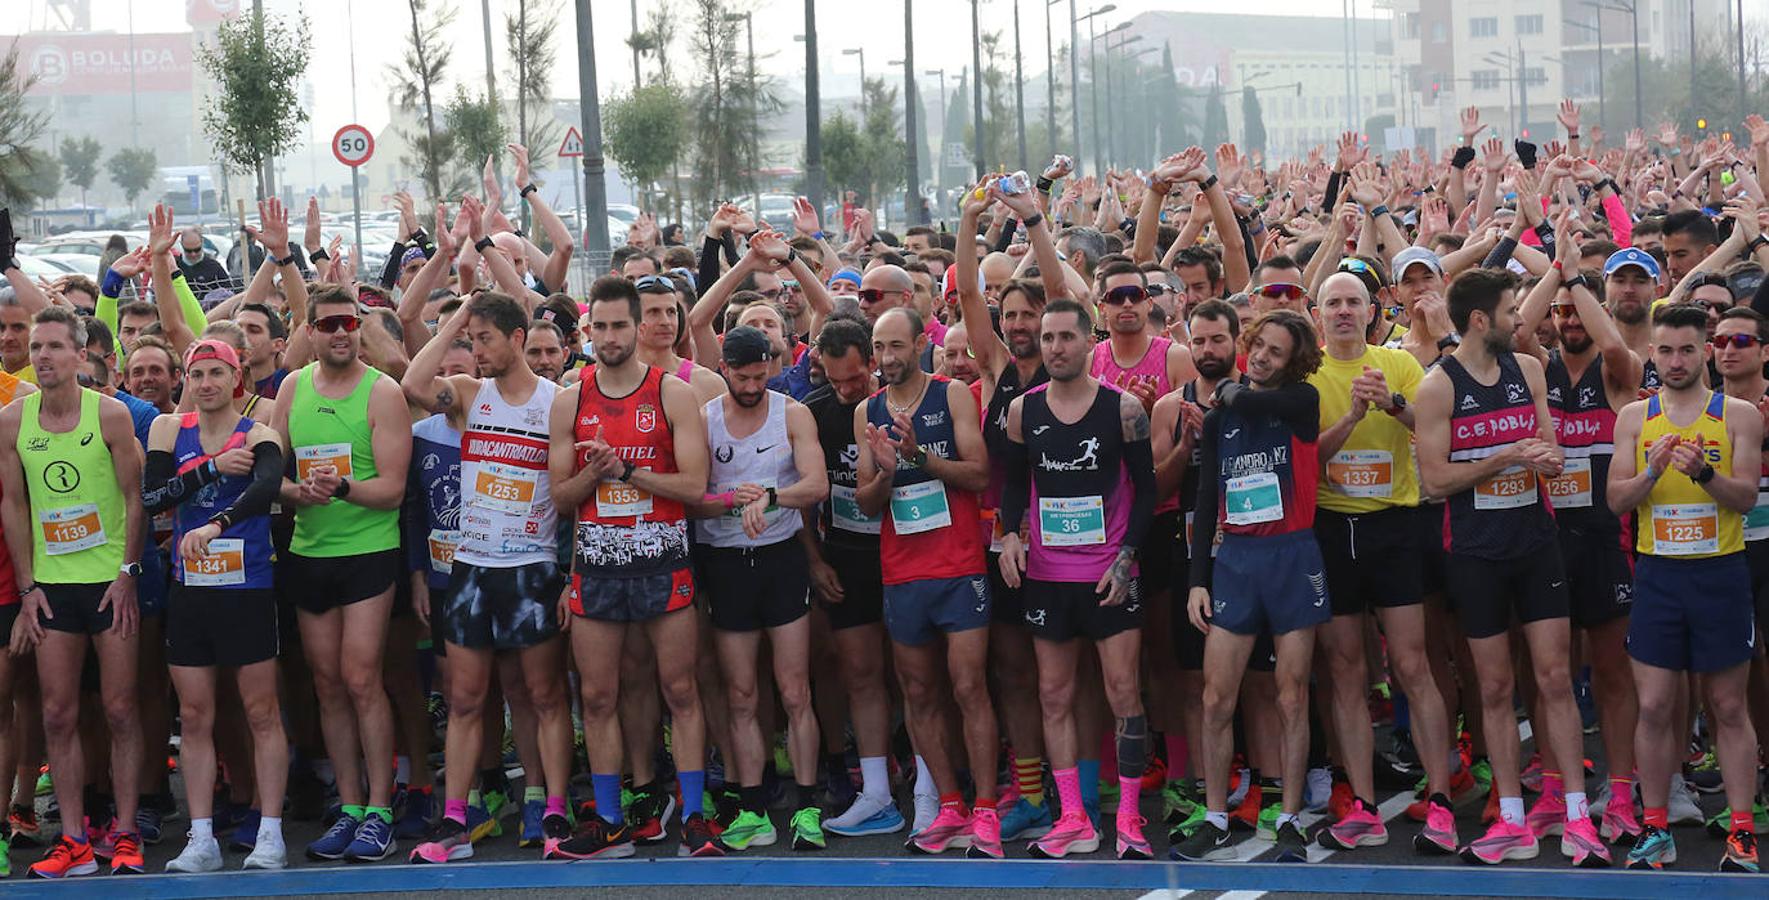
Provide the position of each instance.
(636, 427)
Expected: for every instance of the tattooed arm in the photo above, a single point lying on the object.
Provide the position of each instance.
(1139, 460)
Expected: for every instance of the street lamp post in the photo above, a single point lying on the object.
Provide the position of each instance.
(976, 86)
(595, 190)
(912, 184)
(860, 52)
(755, 188)
(1075, 74)
(1111, 127)
(1019, 86)
(1099, 160)
(813, 113)
(1050, 77)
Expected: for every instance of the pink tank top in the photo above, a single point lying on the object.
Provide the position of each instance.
(686, 371)
(1152, 365)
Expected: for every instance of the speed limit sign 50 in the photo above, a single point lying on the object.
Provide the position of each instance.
(353, 145)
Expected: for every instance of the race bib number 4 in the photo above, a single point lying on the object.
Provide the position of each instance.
(1756, 522)
(1511, 489)
(1571, 489)
(916, 508)
(442, 550)
(505, 489)
(1685, 529)
(71, 529)
(336, 456)
(1362, 473)
(1071, 521)
(844, 512)
(617, 498)
(1252, 499)
(224, 565)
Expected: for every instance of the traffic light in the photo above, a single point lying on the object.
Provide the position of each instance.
(1431, 95)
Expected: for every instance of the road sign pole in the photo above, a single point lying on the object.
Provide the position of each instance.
(578, 195)
(356, 209)
(354, 145)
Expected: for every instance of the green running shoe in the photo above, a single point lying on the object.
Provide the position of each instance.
(1267, 829)
(1185, 829)
(1177, 802)
(45, 784)
(5, 859)
(807, 829)
(1483, 774)
(752, 829)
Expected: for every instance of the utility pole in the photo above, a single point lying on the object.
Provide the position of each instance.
(1075, 84)
(595, 189)
(1099, 159)
(939, 166)
(1050, 79)
(1019, 85)
(912, 212)
(813, 113)
(491, 87)
(1739, 21)
(976, 50)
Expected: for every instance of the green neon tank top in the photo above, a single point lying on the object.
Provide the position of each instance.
(78, 516)
(327, 431)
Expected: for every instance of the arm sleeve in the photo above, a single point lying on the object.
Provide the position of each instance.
(1248, 245)
(1621, 225)
(1016, 492)
(267, 477)
(729, 242)
(1204, 517)
(106, 310)
(163, 488)
(1007, 233)
(194, 317)
(709, 264)
(1501, 254)
(1139, 458)
(1332, 194)
(390, 271)
(1298, 405)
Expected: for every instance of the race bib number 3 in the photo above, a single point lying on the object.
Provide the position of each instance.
(505, 489)
(1252, 499)
(442, 550)
(1685, 529)
(225, 565)
(916, 508)
(71, 529)
(1511, 489)
(1071, 521)
(1362, 473)
(1571, 489)
(307, 459)
(616, 498)
(1756, 522)
(844, 512)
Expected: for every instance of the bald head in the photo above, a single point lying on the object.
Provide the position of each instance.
(191, 240)
(1345, 283)
(997, 269)
(884, 288)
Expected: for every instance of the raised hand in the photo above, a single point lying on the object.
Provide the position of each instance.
(1060, 167)
(273, 230)
(519, 153)
(1569, 116)
(1493, 156)
(1667, 134)
(159, 230)
(310, 237)
(1758, 128)
(1743, 211)
(1348, 151)
(445, 242)
(1366, 191)
(1470, 125)
(1636, 141)
(1228, 165)
(804, 217)
(408, 216)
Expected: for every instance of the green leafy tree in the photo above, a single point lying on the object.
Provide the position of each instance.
(79, 162)
(530, 33)
(646, 131)
(1252, 121)
(1215, 118)
(730, 107)
(45, 176)
(885, 149)
(1176, 115)
(478, 133)
(257, 64)
(20, 127)
(417, 88)
(133, 169)
(844, 151)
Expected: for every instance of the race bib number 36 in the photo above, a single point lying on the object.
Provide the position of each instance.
(71, 529)
(1685, 529)
(307, 459)
(1071, 521)
(1362, 473)
(225, 565)
(1511, 489)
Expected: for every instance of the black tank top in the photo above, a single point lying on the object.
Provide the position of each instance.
(1507, 515)
(1584, 424)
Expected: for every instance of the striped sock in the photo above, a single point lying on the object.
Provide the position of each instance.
(1029, 778)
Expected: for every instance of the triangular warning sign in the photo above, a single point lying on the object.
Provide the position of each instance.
(573, 145)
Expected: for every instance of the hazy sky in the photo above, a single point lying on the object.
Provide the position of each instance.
(379, 27)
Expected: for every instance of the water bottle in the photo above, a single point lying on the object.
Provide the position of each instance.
(1017, 183)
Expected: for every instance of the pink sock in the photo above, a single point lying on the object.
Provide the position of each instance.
(1178, 757)
(456, 810)
(555, 806)
(1553, 784)
(1129, 789)
(1068, 789)
(1108, 758)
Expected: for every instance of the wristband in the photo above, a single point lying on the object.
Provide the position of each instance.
(1613, 187)
(818, 236)
(343, 489)
(527, 189)
(626, 472)
(1756, 242)
(1036, 219)
(727, 499)
(1651, 474)
(1556, 266)
(113, 284)
(1208, 183)
(285, 261)
(1464, 156)
(25, 590)
(318, 255)
(1673, 151)
(220, 519)
(483, 244)
(1572, 135)
(1381, 209)
(1045, 184)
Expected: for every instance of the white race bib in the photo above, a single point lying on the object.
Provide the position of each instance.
(1071, 521)
(1362, 473)
(1685, 529)
(1756, 522)
(844, 512)
(71, 529)
(1511, 489)
(224, 566)
(1571, 489)
(916, 508)
(1252, 499)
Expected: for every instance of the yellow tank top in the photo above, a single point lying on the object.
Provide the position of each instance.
(1680, 518)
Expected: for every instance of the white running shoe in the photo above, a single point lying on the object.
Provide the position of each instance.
(198, 856)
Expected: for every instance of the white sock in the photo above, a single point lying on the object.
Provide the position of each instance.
(924, 780)
(1284, 817)
(1511, 810)
(875, 777)
(202, 830)
(1576, 807)
(270, 827)
(1219, 819)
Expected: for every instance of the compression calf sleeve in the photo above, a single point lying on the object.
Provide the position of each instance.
(1133, 746)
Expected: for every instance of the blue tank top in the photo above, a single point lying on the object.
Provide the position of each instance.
(240, 557)
(436, 489)
(929, 530)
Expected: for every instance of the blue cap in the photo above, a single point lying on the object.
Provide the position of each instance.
(1631, 256)
(848, 275)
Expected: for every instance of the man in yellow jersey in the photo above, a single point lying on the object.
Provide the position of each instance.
(10, 389)
(1366, 513)
(1689, 475)
(75, 536)
(347, 426)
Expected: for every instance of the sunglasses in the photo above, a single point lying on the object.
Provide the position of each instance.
(1274, 291)
(1127, 295)
(1157, 289)
(334, 324)
(874, 295)
(86, 381)
(1563, 309)
(790, 287)
(1358, 267)
(1735, 341)
(654, 284)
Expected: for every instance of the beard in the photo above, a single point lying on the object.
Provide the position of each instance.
(1212, 367)
(1498, 342)
(1578, 344)
(748, 400)
(613, 357)
(1023, 349)
(1628, 312)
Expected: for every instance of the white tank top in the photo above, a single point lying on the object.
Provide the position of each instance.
(507, 516)
(763, 458)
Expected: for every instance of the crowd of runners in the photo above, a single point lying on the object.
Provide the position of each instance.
(1113, 499)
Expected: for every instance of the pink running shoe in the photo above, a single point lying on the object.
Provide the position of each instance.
(1531, 776)
(1620, 825)
(1548, 815)
(1501, 842)
(1360, 827)
(1580, 843)
(1073, 833)
(949, 830)
(985, 834)
(1439, 833)
(1131, 843)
